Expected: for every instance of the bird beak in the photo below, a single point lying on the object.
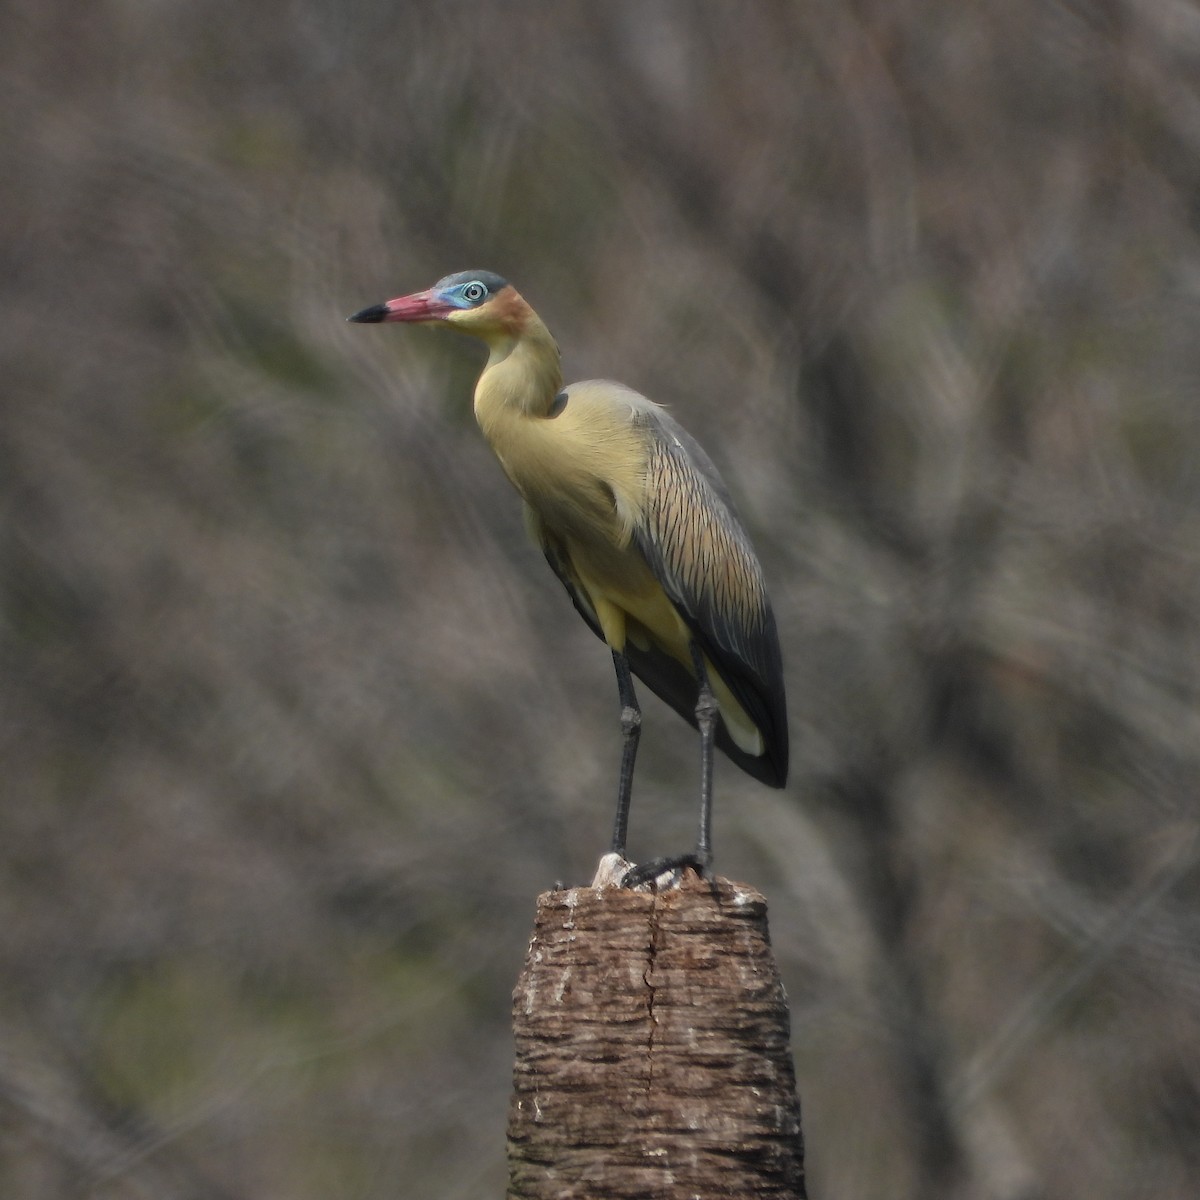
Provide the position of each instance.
(420, 306)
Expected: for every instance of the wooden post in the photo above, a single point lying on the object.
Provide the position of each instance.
(652, 1050)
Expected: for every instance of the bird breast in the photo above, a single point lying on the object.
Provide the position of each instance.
(582, 471)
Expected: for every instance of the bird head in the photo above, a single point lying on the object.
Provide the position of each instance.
(477, 302)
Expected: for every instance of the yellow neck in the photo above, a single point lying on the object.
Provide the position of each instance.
(522, 376)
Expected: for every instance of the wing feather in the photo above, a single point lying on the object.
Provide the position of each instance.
(690, 535)
(560, 563)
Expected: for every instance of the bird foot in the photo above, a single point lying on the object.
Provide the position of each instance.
(664, 873)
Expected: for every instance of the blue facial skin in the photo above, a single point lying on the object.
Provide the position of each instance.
(463, 289)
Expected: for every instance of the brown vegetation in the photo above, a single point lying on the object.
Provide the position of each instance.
(294, 725)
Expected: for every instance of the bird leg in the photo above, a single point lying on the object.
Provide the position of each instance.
(631, 729)
(706, 721)
(707, 711)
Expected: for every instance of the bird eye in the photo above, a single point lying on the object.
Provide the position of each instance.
(474, 292)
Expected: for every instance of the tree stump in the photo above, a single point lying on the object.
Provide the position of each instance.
(652, 1050)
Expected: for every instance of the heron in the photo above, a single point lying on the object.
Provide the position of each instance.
(634, 519)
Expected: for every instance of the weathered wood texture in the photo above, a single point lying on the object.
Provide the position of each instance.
(652, 1050)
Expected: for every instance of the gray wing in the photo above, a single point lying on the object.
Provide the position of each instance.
(692, 539)
(560, 564)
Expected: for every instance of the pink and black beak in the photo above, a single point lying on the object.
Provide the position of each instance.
(420, 306)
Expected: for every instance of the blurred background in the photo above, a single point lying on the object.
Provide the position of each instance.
(295, 725)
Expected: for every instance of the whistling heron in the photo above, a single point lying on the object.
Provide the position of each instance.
(639, 527)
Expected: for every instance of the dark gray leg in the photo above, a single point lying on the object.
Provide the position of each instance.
(706, 722)
(631, 730)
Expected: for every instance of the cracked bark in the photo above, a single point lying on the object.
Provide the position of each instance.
(652, 1050)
